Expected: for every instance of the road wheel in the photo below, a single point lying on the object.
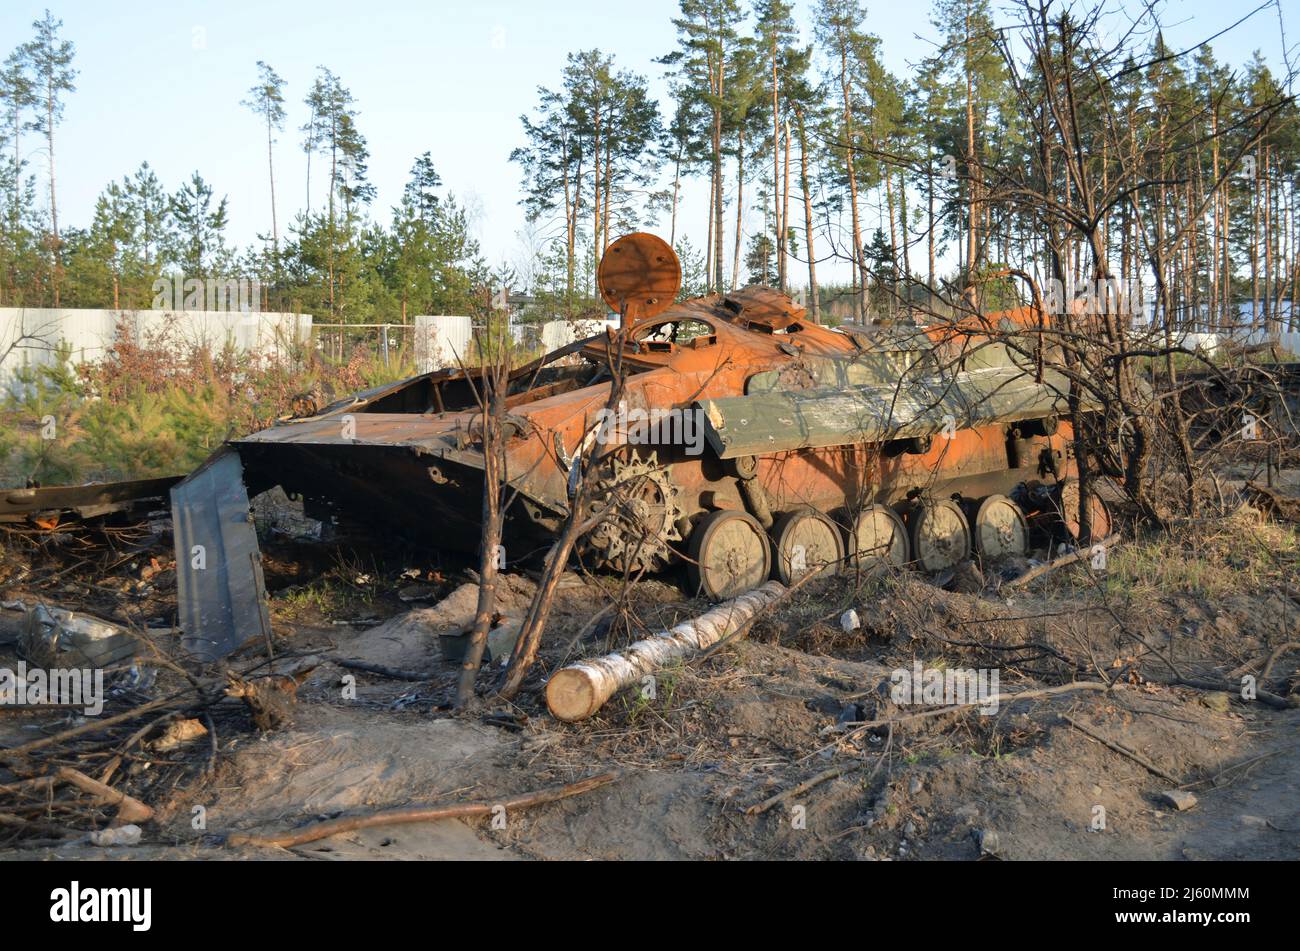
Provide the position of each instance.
(940, 534)
(879, 539)
(1066, 501)
(1000, 528)
(806, 540)
(729, 554)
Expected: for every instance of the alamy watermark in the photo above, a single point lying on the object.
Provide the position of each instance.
(943, 686)
(74, 904)
(59, 686)
(1102, 296)
(652, 427)
(235, 295)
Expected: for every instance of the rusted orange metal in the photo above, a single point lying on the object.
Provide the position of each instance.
(408, 454)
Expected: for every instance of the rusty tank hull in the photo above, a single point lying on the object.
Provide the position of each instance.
(748, 442)
(731, 403)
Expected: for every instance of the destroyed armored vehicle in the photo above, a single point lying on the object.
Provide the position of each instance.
(748, 443)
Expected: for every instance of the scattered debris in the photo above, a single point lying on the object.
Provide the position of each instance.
(1273, 502)
(271, 699)
(1180, 799)
(120, 835)
(129, 809)
(1122, 750)
(986, 840)
(178, 733)
(57, 638)
(1039, 570)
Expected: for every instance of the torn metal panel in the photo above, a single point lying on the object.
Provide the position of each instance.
(220, 593)
(86, 501)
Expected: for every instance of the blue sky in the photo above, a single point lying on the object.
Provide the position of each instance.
(162, 81)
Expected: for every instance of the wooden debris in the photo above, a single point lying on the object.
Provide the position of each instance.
(1272, 502)
(178, 734)
(999, 699)
(827, 774)
(579, 690)
(380, 670)
(1040, 570)
(409, 814)
(93, 726)
(130, 811)
(271, 699)
(1122, 750)
(835, 771)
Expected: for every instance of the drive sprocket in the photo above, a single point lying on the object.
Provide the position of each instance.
(639, 512)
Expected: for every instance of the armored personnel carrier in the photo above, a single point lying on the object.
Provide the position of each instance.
(748, 442)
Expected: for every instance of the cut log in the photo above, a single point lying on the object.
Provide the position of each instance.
(579, 690)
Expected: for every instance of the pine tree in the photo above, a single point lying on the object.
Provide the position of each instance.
(266, 99)
(48, 61)
(197, 241)
(707, 36)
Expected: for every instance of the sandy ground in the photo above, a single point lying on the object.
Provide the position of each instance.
(778, 709)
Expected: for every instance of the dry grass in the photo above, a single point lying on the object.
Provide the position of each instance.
(1213, 557)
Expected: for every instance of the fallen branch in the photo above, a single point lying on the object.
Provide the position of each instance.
(409, 814)
(1283, 507)
(35, 825)
(1222, 686)
(762, 807)
(130, 811)
(1040, 570)
(743, 630)
(997, 699)
(1267, 668)
(92, 726)
(579, 690)
(759, 808)
(41, 783)
(1123, 751)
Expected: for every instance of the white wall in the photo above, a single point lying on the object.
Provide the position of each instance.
(30, 336)
(441, 340)
(559, 333)
(1210, 343)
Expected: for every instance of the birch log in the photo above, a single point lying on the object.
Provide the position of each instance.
(579, 690)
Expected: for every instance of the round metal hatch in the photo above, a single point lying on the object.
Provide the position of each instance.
(642, 270)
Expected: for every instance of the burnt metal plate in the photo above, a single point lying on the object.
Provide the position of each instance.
(87, 500)
(220, 592)
(639, 271)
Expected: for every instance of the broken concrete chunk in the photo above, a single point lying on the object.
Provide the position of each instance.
(987, 842)
(1180, 799)
(120, 835)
